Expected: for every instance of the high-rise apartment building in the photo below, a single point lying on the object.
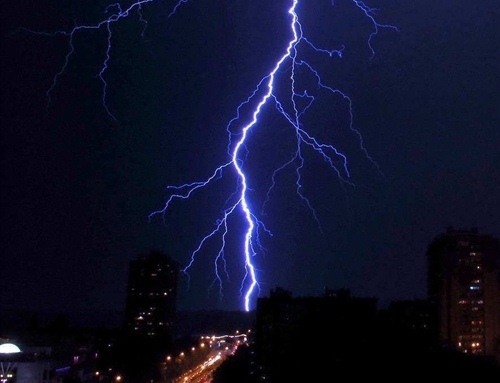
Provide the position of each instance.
(151, 296)
(464, 287)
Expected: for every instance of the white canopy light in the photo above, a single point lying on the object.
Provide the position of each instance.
(9, 348)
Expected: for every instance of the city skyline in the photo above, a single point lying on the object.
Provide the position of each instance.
(78, 186)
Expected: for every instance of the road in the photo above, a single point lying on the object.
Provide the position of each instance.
(220, 348)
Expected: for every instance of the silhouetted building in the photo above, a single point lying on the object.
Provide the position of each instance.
(151, 296)
(296, 335)
(408, 325)
(411, 316)
(464, 287)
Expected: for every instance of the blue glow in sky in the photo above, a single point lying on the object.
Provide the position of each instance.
(366, 146)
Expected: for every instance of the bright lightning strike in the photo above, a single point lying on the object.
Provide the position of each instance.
(292, 108)
(288, 61)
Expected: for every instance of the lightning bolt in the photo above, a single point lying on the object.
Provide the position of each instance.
(116, 13)
(298, 103)
(291, 107)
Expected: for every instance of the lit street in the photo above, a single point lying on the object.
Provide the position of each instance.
(198, 365)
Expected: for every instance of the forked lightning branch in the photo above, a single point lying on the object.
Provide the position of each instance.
(292, 107)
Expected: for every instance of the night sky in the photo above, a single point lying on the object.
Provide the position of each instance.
(77, 185)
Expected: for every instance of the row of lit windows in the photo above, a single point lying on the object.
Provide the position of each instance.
(465, 302)
(476, 322)
(150, 325)
(158, 270)
(165, 293)
(470, 338)
(142, 314)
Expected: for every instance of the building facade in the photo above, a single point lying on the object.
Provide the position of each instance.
(66, 361)
(464, 287)
(151, 296)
